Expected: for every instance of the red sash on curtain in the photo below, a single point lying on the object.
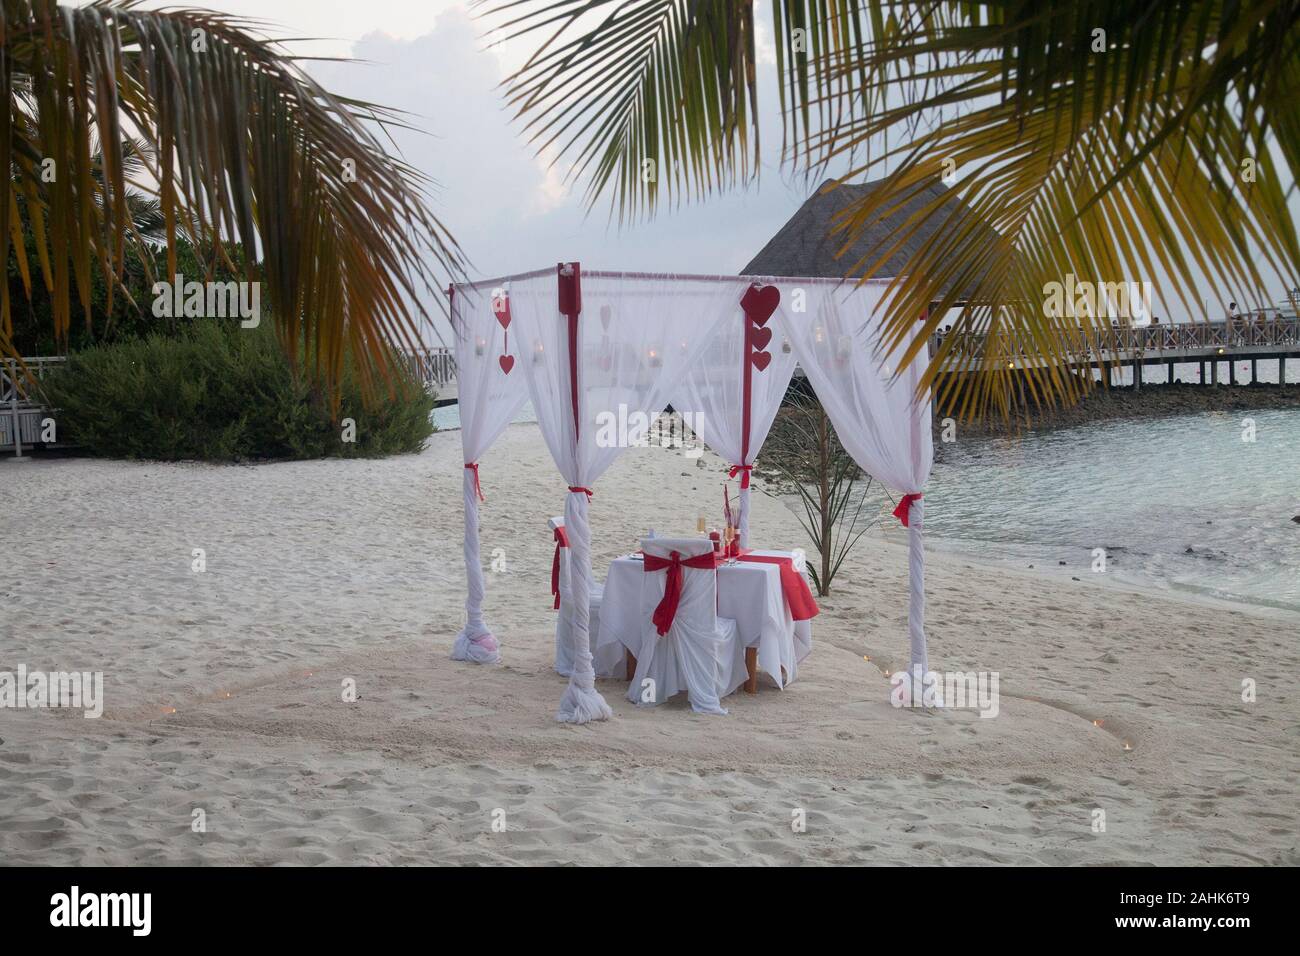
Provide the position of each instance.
(667, 608)
(797, 593)
(561, 541)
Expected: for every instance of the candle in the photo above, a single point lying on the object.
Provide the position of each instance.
(699, 524)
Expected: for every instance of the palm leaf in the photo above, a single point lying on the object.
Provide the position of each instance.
(1104, 140)
(242, 146)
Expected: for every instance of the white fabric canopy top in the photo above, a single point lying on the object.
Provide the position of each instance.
(592, 349)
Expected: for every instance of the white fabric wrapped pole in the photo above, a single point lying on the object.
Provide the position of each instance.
(916, 587)
(475, 642)
(489, 398)
(635, 338)
(875, 409)
(581, 702)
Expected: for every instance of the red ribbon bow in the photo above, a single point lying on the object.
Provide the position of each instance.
(905, 506)
(667, 609)
(478, 490)
(561, 541)
(586, 491)
(744, 476)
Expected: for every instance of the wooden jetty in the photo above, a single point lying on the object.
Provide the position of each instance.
(1254, 338)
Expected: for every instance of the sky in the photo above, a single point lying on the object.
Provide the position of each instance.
(509, 209)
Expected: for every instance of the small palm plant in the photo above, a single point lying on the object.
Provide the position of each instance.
(809, 462)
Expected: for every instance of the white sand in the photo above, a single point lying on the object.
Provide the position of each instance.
(322, 571)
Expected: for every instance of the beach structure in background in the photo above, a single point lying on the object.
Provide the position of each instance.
(812, 243)
(22, 414)
(435, 367)
(1261, 336)
(581, 344)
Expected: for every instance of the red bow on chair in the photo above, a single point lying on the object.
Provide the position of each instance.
(561, 541)
(667, 609)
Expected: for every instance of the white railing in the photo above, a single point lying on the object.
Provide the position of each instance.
(21, 411)
(435, 367)
(1126, 342)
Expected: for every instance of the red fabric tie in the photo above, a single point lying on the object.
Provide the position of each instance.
(744, 474)
(561, 541)
(585, 491)
(667, 609)
(478, 490)
(797, 593)
(905, 506)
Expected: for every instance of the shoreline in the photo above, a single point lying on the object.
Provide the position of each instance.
(1123, 402)
(1130, 582)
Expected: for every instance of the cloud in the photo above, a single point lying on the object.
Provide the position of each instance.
(510, 210)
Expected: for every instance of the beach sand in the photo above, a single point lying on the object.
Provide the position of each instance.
(323, 572)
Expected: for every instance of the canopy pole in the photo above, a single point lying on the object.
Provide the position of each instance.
(581, 702)
(475, 642)
(920, 661)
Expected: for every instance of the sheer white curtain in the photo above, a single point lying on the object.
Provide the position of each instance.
(636, 337)
(491, 392)
(874, 409)
(713, 393)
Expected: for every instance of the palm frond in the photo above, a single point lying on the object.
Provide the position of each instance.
(240, 142)
(1109, 141)
(649, 99)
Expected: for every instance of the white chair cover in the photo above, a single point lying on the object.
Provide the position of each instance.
(701, 653)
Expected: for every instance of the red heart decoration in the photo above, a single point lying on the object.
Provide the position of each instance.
(507, 362)
(759, 302)
(761, 360)
(501, 309)
(760, 337)
(605, 313)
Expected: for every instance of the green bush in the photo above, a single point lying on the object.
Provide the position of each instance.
(219, 392)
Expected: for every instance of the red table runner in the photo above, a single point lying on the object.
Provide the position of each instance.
(797, 593)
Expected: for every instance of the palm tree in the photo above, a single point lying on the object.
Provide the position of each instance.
(238, 146)
(1101, 139)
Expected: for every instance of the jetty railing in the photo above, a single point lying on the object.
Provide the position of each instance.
(21, 412)
(1124, 343)
(434, 367)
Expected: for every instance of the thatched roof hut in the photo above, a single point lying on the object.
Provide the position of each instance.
(805, 246)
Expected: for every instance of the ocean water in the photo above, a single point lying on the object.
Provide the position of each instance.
(1179, 502)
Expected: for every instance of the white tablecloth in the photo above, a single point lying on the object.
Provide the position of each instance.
(748, 592)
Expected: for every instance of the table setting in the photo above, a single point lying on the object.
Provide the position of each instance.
(764, 591)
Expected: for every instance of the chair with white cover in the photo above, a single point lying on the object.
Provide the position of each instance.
(697, 651)
(560, 589)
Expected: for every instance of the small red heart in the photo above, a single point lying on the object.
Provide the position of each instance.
(761, 360)
(759, 302)
(507, 363)
(760, 337)
(501, 309)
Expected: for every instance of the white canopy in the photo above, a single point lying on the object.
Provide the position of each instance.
(591, 347)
